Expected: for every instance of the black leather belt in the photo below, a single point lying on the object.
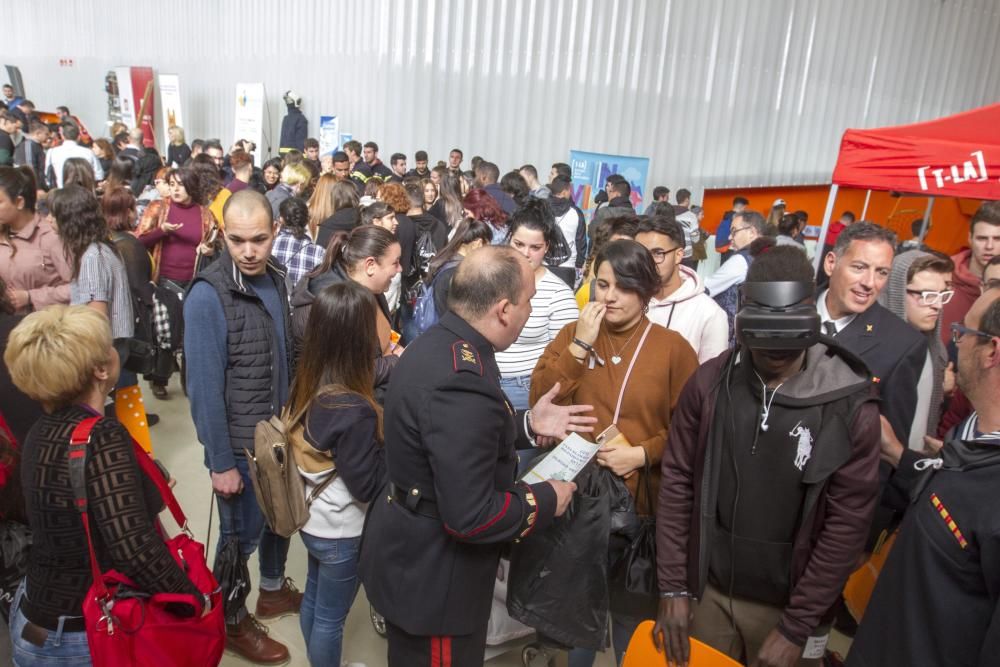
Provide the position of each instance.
(36, 633)
(414, 500)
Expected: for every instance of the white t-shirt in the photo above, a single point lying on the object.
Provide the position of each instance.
(552, 308)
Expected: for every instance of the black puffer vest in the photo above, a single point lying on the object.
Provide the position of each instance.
(253, 348)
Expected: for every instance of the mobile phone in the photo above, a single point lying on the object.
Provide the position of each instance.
(608, 434)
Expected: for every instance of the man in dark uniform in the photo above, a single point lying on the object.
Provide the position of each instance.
(937, 601)
(433, 539)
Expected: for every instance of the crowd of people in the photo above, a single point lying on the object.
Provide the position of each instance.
(427, 333)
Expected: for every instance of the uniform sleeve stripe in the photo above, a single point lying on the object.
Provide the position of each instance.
(485, 526)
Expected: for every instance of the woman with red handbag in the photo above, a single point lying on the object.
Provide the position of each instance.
(63, 357)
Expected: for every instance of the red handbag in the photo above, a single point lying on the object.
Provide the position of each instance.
(127, 627)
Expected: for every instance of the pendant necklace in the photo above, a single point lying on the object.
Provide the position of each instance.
(616, 357)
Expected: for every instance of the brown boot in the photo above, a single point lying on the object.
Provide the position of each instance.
(248, 639)
(275, 604)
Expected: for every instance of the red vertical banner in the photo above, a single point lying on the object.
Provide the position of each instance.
(143, 99)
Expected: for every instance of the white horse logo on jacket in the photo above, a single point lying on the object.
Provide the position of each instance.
(804, 450)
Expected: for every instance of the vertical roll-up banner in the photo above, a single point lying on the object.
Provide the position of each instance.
(591, 171)
(126, 101)
(145, 104)
(329, 134)
(249, 121)
(15, 80)
(170, 105)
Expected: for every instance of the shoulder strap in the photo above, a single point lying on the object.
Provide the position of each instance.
(319, 488)
(78, 442)
(628, 373)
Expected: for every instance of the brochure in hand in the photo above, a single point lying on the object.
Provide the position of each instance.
(564, 462)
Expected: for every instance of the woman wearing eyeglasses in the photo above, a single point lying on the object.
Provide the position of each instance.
(919, 286)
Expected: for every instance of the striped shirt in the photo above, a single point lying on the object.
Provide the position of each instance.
(103, 278)
(552, 308)
(970, 432)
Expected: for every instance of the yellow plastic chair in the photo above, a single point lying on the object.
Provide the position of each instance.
(642, 652)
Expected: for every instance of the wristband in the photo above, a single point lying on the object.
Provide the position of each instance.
(528, 432)
(675, 594)
(591, 357)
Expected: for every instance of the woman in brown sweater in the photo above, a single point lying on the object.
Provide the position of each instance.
(590, 359)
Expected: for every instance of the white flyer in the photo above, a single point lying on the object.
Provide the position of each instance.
(564, 462)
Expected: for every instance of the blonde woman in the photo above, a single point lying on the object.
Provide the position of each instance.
(178, 152)
(321, 202)
(294, 179)
(63, 358)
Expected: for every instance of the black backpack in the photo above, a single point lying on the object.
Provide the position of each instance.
(424, 251)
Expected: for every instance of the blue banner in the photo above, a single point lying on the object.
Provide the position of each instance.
(591, 171)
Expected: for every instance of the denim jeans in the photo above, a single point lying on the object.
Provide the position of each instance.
(241, 516)
(331, 585)
(622, 629)
(63, 649)
(517, 388)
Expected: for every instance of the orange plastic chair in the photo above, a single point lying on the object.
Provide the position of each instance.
(859, 587)
(641, 652)
(131, 412)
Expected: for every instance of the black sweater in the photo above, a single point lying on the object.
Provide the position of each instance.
(345, 426)
(123, 506)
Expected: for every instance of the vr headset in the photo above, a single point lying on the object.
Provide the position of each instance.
(773, 316)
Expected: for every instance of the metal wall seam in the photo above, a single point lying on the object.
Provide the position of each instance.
(716, 93)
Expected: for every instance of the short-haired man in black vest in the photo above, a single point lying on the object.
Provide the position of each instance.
(237, 342)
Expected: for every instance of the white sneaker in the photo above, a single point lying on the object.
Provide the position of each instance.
(353, 664)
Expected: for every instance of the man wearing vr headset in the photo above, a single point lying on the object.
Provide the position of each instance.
(770, 479)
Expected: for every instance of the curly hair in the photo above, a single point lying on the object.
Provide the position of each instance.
(79, 221)
(395, 196)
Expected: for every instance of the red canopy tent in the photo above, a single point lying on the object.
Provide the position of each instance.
(955, 156)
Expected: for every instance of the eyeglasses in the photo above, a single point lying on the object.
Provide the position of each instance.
(958, 330)
(931, 298)
(659, 254)
(734, 232)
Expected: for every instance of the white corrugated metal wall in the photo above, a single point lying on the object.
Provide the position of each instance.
(716, 92)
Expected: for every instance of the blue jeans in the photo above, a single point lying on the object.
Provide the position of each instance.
(622, 630)
(517, 388)
(331, 585)
(241, 516)
(63, 649)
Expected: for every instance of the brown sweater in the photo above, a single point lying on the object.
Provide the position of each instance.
(665, 363)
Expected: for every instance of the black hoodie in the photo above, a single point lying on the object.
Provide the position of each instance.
(937, 601)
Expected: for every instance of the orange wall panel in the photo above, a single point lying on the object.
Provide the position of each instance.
(949, 217)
